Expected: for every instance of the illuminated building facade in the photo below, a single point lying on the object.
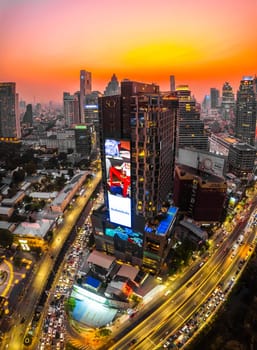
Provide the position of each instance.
(241, 159)
(246, 111)
(137, 147)
(227, 101)
(190, 128)
(9, 118)
(199, 195)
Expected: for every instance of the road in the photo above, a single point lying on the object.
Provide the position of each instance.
(182, 303)
(14, 339)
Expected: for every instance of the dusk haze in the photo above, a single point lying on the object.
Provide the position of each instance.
(45, 43)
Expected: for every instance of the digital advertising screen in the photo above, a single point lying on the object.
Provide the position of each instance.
(117, 163)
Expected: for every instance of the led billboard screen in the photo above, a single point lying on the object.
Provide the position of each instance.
(126, 234)
(117, 162)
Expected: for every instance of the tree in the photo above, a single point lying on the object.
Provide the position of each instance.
(6, 238)
(30, 167)
(18, 175)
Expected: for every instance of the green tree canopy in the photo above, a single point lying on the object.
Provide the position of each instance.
(6, 238)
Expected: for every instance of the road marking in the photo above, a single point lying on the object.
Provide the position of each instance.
(183, 318)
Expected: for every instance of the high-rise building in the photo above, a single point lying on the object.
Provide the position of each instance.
(190, 128)
(113, 87)
(214, 97)
(172, 83)
(28, 115)
(71, 109)
(137, 147)
(85, 89)
(84, 135)
(91, 112)
(241, 159)
(246, 111)
(9, 116)
(227, 101)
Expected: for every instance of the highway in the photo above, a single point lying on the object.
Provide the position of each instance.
(180, 304)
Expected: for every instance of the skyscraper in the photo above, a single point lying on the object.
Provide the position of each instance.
(137, 144)
(227, 101)
(9, 117)
(246, 111)
(85, 89)
(214, 97)
(172, 83)
(28, 115)
(113, 87)
(190, 128)
(71, 109)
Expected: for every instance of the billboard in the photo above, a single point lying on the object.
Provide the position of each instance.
(117, 163)
(203, 161)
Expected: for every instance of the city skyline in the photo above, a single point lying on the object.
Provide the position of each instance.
(46, 44)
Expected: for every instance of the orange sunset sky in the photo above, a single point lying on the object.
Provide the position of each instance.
(45, 43)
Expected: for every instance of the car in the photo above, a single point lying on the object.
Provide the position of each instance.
(165, 345)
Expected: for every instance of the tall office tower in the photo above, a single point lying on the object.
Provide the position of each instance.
(85, 89)
(190, 128)
(9, 117)
(71, 109)
(214, 97)
(172, 83)
(246, 111)
(113, 87)
(28, 115)
(92, 115)
(227, 101)
(136, 144)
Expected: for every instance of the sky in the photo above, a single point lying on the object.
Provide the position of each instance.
(45, 43)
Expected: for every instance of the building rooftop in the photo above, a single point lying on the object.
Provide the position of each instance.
(101, 259)
(34, 229)
(167, 221)
(194, 228)
(128, 271)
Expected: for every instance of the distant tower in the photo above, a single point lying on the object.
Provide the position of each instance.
(71, 108)
(9, 119)
(28, 116)
(85, 89)
(227, 100)
(246, 111)
(190, 128)
(214, 97)
(113, 87)
(172, 83)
